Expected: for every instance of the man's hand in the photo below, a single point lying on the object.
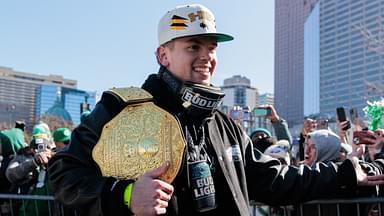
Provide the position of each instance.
(309, 125)
(43, 157)
(378, 143)
(150, 196)
(274, 117)
(362, 178)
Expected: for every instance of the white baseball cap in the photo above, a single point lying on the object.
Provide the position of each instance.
(189, 20)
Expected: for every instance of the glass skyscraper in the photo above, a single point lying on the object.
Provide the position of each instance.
(312, 62)
(351, 69)
(18, 93)
(71, 99)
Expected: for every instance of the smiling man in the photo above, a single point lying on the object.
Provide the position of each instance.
(219, 170)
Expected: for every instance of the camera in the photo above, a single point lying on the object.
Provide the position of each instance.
(364, 137)
(41, 147)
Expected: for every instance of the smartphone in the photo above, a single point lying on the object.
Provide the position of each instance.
(341, 116)
(364, 137)
(262, 111)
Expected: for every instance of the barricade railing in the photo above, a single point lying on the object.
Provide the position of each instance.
(20, 205)
(367, 206)
(10, 205)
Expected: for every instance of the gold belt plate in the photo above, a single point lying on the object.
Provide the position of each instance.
(140, 138)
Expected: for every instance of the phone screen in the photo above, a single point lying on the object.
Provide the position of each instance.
(262, 112)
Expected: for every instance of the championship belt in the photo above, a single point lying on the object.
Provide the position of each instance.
(140, 138)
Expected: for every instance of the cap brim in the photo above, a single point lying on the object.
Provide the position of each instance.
(220, 37)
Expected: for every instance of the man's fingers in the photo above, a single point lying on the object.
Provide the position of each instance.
(376, 178)
(160, 210)
(164, 186)
(164, 196)
(155, 173)
(161, 203)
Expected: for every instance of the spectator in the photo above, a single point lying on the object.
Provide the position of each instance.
(309, 125)
(84, 115)
(11, 141)
(61, 137)
(262, 138)
(322, 146)
(27, 173)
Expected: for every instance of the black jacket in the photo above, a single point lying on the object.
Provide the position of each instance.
(240, 172)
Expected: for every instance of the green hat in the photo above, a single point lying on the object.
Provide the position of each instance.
(37, 130)
(61, 135)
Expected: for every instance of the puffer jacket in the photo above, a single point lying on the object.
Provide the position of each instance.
(242, 173)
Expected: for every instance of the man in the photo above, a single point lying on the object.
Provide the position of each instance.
(216, 144)
(12, 140)
(61, 137)
(262, 138)
(27, 173)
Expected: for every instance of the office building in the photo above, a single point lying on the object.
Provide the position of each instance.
(312, 62)
(290, 16)
(351, 66)
(266, 98)
(66, 101)
(19, 93)
(239, 92)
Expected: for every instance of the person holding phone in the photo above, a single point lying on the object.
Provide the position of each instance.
(309, 125)
(262, 138)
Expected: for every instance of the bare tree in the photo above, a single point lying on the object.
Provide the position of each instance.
(374, 41)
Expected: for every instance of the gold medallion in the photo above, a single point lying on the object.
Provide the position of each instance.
(140, 138)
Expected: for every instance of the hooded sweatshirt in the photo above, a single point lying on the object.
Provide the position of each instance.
(327, 145)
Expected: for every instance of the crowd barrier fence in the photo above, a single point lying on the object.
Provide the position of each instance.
(373, 206)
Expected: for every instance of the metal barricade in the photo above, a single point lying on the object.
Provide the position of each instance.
(20, 205)
(10, 205)
(368, 206)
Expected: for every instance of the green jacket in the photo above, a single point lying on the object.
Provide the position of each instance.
(11, 141)
(38, 207)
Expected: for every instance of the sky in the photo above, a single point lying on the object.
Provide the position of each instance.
(105, 44)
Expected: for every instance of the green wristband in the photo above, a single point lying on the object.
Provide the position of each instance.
(127, 195)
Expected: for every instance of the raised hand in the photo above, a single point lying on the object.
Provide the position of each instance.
(362, 178)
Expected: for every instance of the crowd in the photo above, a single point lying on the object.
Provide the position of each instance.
(318, 143)
(24, 166)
